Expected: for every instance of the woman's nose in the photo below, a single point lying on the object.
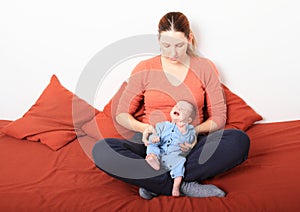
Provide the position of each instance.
(173, 51)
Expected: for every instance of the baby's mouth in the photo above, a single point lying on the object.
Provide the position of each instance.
(176, 113)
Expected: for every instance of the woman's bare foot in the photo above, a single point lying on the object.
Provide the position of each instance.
(153, 161)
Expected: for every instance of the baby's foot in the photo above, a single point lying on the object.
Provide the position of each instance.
(152, 160)
(175, 191)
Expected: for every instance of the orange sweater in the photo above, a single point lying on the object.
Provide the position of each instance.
(149, 83)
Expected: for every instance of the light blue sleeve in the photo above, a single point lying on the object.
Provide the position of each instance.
(160, 127)
(159, 130)
(192, 134)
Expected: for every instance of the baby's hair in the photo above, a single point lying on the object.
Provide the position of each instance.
(193, 111)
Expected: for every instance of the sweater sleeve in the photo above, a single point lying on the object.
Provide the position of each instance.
(214, 94)
(133, 94)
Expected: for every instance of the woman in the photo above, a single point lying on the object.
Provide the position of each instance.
(159, 82)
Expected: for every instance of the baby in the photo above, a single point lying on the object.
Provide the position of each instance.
(164, 145)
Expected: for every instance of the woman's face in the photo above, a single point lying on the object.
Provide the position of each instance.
(173, 46)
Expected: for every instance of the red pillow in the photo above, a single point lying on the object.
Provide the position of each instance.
(239, 116)
(55, 119)
(104, 125)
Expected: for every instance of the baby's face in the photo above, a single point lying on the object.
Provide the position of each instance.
(181, 112)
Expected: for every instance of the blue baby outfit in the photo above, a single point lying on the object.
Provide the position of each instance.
(168, 149)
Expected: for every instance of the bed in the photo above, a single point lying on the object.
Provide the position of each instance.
(46, 162)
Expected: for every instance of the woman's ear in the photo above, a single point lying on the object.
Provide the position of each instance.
(191, 37)
(190, 120)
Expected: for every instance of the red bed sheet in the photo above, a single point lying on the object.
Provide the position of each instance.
(35, 178)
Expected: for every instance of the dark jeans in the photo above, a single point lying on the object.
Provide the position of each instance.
(214, 153)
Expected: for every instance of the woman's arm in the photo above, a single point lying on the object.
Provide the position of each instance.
(129, 122)
(215, 101)
(206, 127)
(131, 99)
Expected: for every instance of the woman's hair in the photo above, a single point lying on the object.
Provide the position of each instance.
(177, 21)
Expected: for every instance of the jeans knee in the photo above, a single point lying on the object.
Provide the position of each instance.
(241, 140)
(97, 147)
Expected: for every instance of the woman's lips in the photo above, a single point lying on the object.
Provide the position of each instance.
(173, 58)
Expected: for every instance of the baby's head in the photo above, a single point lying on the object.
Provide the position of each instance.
(183, 112)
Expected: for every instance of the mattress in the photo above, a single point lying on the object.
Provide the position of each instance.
(35, 178)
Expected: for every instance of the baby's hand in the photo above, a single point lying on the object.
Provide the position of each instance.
(148, 131)
(186, 147)
(155, 139)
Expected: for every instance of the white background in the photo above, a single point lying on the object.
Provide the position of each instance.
(254, 44)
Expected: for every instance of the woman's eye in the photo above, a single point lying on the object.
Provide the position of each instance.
(166, 45)
(180, 45)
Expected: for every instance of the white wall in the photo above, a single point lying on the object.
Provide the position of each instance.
(254, 44)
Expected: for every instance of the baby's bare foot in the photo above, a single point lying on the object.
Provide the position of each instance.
(152, 160)
(175, 191)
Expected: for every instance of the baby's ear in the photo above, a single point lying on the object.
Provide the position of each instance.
(190, 120)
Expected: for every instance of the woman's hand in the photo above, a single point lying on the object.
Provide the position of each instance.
(149, 130)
